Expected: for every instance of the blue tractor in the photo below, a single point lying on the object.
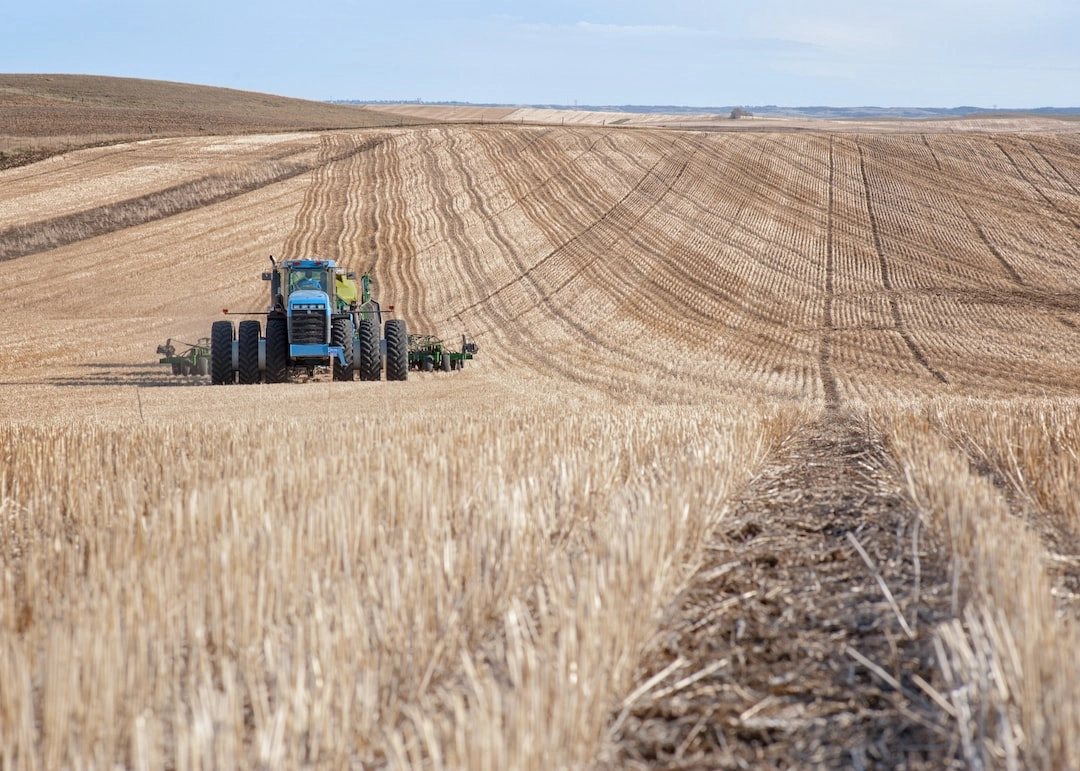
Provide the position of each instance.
(317, 317)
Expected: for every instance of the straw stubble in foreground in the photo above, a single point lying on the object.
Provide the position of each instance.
(219, 599)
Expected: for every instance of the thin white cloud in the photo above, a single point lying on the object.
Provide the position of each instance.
(640, 30)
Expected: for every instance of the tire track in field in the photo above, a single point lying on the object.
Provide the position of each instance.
(493, 312)
(758, 186)
(766, 659)
(341, 217)
(709, 272)
(347, 242)
(582, 251)
(697, 279)
(828, 379)
(396, 254)
(556, 215)
(499, 315)
(599, 232)
(370, 198)
(1052, 165)
(1047, 199)
(886, 280)
(565, 236)
(1028, 295)
(1005, 264)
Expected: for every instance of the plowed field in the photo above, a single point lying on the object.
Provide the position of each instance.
(770, 455)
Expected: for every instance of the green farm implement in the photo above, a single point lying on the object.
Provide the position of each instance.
(189, 360)
(428, 353)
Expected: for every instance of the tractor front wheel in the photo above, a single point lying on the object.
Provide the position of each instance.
(221, 338)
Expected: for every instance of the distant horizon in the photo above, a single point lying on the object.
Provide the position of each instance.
(765, 109)
(710, 108)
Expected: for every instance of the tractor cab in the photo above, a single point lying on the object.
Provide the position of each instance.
(307, 279)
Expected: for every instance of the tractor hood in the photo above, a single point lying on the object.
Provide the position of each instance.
(308, 297)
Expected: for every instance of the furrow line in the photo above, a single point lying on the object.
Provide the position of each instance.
(1005, 264)
(886, 281)
(1049, 201)
(577, 254)
(828, 379)
(572, 242)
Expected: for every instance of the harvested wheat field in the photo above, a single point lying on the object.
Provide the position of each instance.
(769, 457)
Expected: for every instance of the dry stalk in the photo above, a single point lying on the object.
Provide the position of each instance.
(881, 583)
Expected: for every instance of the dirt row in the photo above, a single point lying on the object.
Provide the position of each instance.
(804, 640)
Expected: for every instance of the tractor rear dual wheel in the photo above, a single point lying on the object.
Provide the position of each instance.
(370, 356)
(221, 339)
(248, 358)
(277, 350)
(397, 350)
(341, 334)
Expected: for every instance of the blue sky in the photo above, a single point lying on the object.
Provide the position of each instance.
(925, 53)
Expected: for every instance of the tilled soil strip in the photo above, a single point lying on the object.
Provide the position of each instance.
(805, 640)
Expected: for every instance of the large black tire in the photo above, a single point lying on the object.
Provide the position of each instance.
(248, 343)
(221, 337)
(370, 355)
(277, 350)
(342, 334)
(397, 350)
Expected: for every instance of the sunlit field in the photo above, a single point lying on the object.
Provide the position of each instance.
(768, 456)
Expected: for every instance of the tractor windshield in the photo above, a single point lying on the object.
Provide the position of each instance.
(307, 279)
